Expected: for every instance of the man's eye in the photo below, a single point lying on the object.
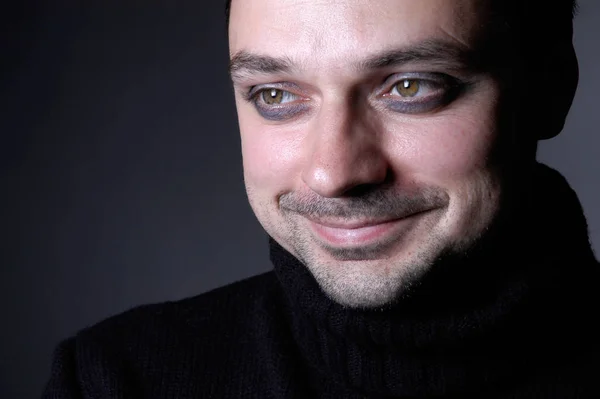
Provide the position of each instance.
(276, 104)
(416, 95)
(407, 88)
(416, 88)
(275, 96)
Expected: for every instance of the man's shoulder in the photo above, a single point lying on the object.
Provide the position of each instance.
(229, 306)
(187, 346)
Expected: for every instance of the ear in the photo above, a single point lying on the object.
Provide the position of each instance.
(557, 87)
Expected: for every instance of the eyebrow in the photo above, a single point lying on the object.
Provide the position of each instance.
(435, 52)
(432, 52)
(246, 63)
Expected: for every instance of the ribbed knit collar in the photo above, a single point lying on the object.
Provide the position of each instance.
(471, 327)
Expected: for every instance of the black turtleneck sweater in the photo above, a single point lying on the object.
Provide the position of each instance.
(516, 318)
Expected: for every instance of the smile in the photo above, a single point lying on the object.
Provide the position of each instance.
(359, 233)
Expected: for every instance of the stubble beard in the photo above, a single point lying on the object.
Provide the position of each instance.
(375, 274)
(367, 277)
(380, 274)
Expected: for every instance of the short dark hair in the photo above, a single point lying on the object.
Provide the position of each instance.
(535, 21)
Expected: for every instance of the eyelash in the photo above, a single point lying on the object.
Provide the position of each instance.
(274, 112)
(442, 89)
(445, 89)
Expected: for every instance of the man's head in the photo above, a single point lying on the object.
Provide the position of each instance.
(380, 135)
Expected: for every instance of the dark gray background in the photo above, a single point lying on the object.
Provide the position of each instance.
(121, 167)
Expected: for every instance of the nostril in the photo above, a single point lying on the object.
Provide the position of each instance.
(360, 190)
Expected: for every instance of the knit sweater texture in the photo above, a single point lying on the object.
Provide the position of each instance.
(516, 318)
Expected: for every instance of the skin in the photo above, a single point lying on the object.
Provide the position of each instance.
(367, 183)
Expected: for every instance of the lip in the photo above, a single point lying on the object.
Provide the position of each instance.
(358, 233)
(352, 225)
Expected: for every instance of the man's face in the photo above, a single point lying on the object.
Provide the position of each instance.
(367, 134)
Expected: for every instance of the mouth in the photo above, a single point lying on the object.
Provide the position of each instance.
(358, 233)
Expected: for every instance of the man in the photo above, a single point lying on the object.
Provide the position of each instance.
(418, 248)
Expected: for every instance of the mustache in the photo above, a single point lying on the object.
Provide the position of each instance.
(375, 204)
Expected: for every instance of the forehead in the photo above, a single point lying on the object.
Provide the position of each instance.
(330, 31)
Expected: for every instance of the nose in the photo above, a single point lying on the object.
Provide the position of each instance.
(344, 152)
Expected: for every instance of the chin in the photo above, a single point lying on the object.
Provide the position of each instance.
(373, 283)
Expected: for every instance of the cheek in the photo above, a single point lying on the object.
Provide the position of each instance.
(456, 149)
(445, 148)
(271, 167)
(270, 156)
(453, 151)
